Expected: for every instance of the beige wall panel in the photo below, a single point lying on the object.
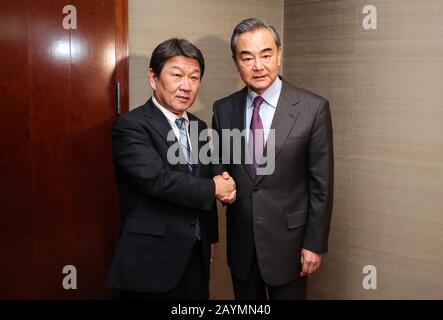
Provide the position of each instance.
(319, 56)
(397, 147)
(208, 24)
(386, 96)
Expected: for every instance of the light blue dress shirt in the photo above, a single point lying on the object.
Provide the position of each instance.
(267, 109)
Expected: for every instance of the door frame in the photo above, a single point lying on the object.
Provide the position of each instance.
(122, 51)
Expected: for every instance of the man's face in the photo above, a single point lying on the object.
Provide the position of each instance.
(258, 59)
(177, 86)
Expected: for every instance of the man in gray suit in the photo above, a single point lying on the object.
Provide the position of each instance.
(278, 227)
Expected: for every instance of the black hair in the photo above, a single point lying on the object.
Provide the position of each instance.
(175, 47)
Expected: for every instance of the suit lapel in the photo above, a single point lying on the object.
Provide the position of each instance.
(160, 124)
(200, 144)
(284, 119)
(158, 121)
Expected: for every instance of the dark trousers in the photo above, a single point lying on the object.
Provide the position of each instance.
(193, 285)
(254, 288)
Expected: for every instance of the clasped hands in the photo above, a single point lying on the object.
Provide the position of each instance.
(225, 189)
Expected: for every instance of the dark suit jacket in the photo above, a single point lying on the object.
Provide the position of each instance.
(158, 202)
(279, 214)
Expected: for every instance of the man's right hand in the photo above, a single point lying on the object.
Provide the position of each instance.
(225, 189)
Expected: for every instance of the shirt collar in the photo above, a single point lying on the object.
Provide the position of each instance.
(168, 114)
(271, 95)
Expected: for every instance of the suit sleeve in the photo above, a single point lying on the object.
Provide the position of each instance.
(136, 157)
(214, 237)
(321, 179)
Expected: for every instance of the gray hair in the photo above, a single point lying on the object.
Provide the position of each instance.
(249, 25)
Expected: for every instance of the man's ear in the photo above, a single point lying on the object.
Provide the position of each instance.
(152, 78)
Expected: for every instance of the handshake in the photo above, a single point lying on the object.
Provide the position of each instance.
(225, 189)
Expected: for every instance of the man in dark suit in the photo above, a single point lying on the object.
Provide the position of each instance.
(168, 211)
(277, 229)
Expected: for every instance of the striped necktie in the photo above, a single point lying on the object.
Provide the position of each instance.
(181, 124)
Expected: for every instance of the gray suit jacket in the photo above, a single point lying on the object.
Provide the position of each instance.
(279, 214)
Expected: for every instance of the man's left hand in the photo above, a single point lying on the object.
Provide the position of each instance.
(310, 262)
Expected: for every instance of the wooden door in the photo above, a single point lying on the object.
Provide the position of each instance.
(58, 201)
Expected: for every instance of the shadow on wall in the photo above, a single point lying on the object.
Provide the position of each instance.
(221, 77)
